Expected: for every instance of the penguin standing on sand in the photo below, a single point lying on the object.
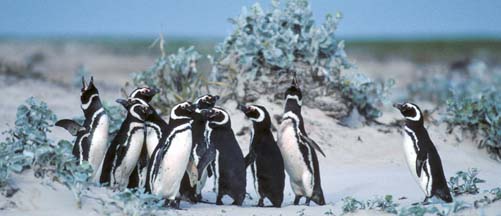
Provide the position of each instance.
(201, 154)
(91, 138)
(299, 151)
(123, 154)
(170, 159)
(152, 135)
(264, 156)
(229, 166)
(422, 156)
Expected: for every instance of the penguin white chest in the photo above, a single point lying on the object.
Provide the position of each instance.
(302, 180)
(424, 180)
(99, 144)
(129, 161)
(152, 139)
(173, 166)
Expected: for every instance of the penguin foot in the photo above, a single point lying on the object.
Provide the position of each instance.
(296, 200)
(307, 203)
(425, 201)
(219, 200)
(174, 204)
(260, 203)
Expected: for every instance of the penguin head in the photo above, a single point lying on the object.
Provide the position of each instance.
(257, 114)
(293, 93)
(88, 93)
(184, 110)
(144, 93)
(216, 117)
(410, 111)
(206, 102)
(136, 108)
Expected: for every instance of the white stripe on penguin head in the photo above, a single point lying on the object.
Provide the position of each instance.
(173, 114)
(260, 118)
(226, 117)
(294, 97)
(200, 98)
(133, 112)
(86, 105)
(418, 113)
(134, 93)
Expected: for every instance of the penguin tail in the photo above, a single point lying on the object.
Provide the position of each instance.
(318, 197)
(444, 194)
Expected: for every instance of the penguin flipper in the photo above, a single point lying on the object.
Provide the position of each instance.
(420, 159)
(206, 160)
(251, 157)
(192, 171)
(70, 125)
(313, 144)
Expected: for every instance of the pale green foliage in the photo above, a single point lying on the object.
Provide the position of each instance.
(27, 146)
(438, 209)
(385, 204)
(267, 46)
(133, 203)
(176, 75)
(480, 114)
(465, 182)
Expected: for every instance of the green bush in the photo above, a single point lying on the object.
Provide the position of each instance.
(27, 146)
(177, 76)
(480, 114)
(385, 204)
(266, 48)
(465, 182)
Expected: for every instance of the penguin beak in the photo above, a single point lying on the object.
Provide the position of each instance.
(154, 91)
(216, 97)
(84, 85)
(399, 106)
(242, 108)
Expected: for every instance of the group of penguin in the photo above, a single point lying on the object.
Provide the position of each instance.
(174, 159)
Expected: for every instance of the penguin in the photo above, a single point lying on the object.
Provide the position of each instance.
(123, 154)
(422, 156)
(152, 135)
(171, 157)
(228, 166)
(299, 151)
(91, 137)
(264, 156)
(201, 151)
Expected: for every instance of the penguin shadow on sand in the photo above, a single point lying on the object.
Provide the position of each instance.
(422, 157)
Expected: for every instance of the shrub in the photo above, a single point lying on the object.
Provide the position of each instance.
(480, 114)
(178, 77)
(133, 203)
(27, 146)
(267, 47)
(385, 204)
(465, 182)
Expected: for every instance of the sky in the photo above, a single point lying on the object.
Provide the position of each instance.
(208, 18)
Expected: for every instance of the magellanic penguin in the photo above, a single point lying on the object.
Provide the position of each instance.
(171, 157)
(264, 156)
(422, 156)
(91, 137)
(229, 166)
(299, 151)
(153, 123)
(123, 154)
(201, 154)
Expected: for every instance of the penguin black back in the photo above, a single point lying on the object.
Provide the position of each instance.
(229, 165)
(422, 156)
(264, 156)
